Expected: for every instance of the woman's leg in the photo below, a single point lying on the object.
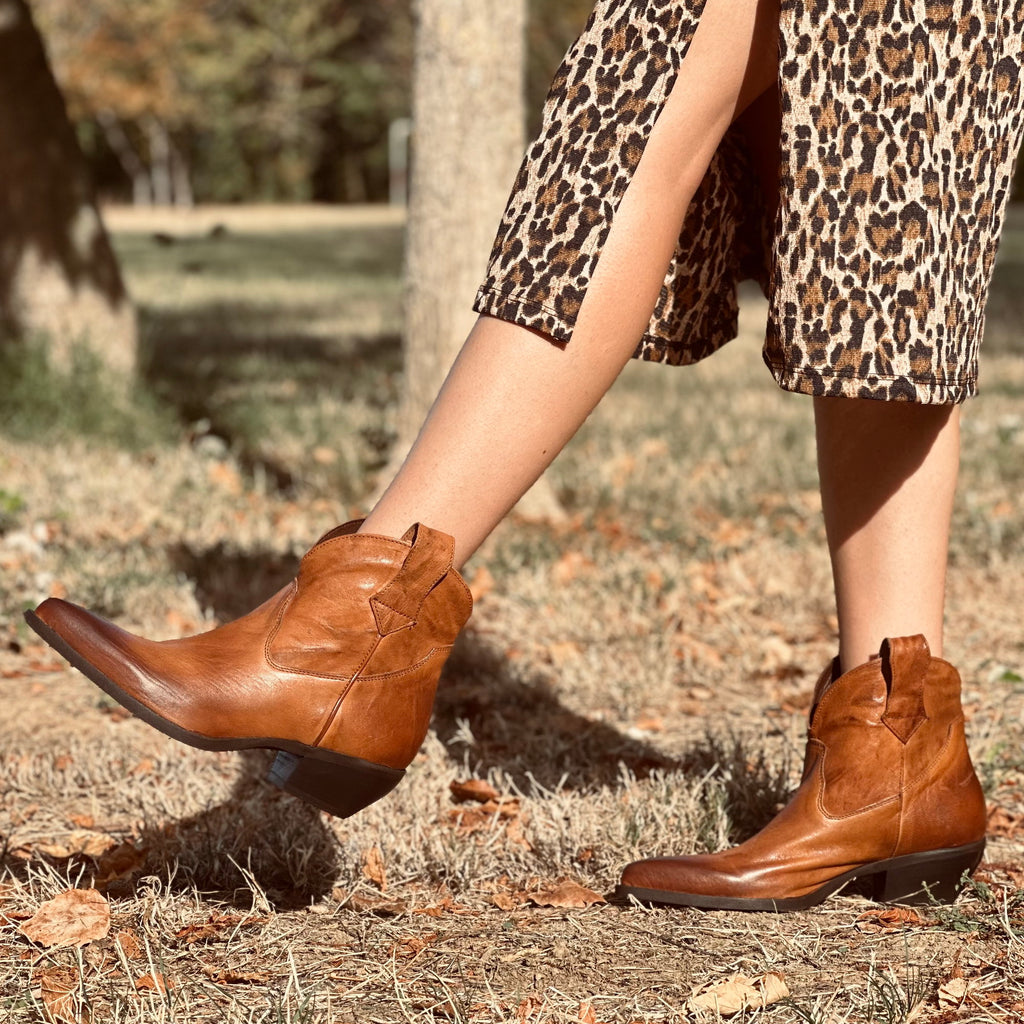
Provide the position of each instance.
(888, 475)
(512, 399)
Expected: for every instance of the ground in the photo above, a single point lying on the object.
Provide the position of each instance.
(634, 680)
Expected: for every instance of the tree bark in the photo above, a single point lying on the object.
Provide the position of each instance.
(59, 277)
(467, 144)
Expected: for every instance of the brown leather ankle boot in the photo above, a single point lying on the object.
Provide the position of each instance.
(888, 793)
(337, 671)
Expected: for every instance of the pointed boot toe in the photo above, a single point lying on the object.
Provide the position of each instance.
(336, 672)
(889, 795)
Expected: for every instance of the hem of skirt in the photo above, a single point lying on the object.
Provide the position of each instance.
(880, 387)
(534, 315)
(526, 312)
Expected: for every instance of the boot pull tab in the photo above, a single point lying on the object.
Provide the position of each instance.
(398, 605)
(905, 662)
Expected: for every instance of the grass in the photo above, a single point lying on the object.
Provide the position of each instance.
(633, 683)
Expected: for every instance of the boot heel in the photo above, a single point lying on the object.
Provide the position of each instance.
(935, 877)
(337, 784)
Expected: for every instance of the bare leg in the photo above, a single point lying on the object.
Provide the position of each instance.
(888, 476)
(512, 400)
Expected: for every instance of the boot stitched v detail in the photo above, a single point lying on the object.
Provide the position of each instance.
(337, 671)
(888, 793)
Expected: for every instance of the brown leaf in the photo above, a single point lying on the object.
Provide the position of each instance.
(446, 906)
(57, 989)
(473, 789)
(121, 862)
(1004, 823)
(651, 723)
(889, 919)
(82, 842)
(383, 907)
(525, 1010)
(74, 918)
(116, 712)
(739, 993)
(482, 584)
(238, 977)
(571, 566)
(373, 868)
(563, 652)
(954, 992)
(81, 820)
(128, 942)
(506, 901)
(155, 982)
(566, 894)
(587, 1015)
(215, 925)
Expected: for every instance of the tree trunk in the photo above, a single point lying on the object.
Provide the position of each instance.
(59, 277)
(467, 144)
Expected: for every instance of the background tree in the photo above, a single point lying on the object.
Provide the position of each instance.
(468, 118)
(59, 278)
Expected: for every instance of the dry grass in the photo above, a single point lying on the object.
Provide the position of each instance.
(632, 683)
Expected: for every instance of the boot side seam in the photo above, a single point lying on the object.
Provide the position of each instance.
(272, 635)
(344, 693)
(434, 651)
(946, 745)
(821, 793)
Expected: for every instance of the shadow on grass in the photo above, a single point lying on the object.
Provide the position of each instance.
(232, 583)
(260, 843)
(522, 728)
(241, 372)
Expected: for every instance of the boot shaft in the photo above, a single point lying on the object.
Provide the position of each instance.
(892, 732)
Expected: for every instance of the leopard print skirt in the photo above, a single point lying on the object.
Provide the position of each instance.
(896, 127)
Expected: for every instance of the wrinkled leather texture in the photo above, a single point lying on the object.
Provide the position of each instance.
(346, 657)
(887, 773)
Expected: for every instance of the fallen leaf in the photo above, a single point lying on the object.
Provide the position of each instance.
(74, 918)
(482, 584)
(566, 894)
(739, 993)
(446, 906)
(953, 993)
(587, 1015)
(1004, 823)
(57, 989)
(563, 652)
(129, 943)
(383, 907)
(525, 1010)
(121, 862)
(83, 842)
(116, 712)
(215, 925)
(889, 919)
(373, 868)
(226, 477)
(155, 982)
(570, 566)
(81, 820)
(473, 789)
(325, 456)
(238, 977)
(651, 723)
(505, 901)
(413, 945)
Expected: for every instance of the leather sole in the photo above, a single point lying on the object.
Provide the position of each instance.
(933, 877)
(336, 783)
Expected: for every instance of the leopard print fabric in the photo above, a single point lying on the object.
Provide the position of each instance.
(898, 122)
